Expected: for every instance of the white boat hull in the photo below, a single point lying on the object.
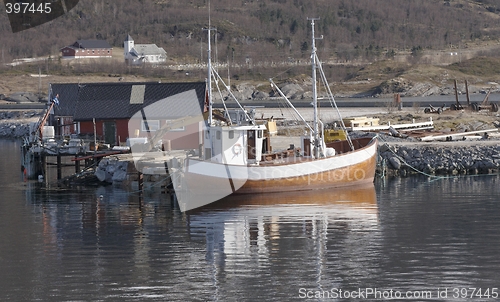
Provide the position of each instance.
(205, 182)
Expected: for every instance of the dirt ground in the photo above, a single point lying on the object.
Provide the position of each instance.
(33, 83)
(448, 121)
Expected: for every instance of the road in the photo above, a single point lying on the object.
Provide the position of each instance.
(327, 115)
(435, 100)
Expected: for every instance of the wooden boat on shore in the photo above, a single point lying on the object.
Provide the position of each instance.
(236, 157)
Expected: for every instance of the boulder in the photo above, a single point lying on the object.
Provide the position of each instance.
(397, 85)
(395, 162)
(308, 95)
(119, 176)
(259, 95)
(292, 90)
(244, 91)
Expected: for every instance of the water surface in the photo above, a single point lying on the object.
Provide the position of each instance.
(412, 235)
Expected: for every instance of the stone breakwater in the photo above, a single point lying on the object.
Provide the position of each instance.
(440, 159)
(15, 124)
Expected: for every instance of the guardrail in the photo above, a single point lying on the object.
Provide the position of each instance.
(22, 106)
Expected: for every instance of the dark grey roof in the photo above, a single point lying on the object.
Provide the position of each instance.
(123, 100)
(148, 49)
(129, 38)
(85, 44)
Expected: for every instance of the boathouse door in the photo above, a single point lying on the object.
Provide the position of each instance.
(110, 133)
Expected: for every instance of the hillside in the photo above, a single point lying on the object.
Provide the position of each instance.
(265, 30)
(369, 47)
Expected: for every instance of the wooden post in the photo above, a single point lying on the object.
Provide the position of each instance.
(77, 165)
(140, 181)
(397, 101)
(44, 167)
(456, 92)
(95, 136)
(168, 145)
(467, 92)
(59, 168)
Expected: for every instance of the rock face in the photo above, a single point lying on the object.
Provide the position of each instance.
(398, 85)
(249, 92)
(23, 97)
(292, 91)
(408, 88)
(440, 160)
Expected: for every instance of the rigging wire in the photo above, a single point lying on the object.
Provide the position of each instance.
(333, 103)
(283, 106)
(215, 73)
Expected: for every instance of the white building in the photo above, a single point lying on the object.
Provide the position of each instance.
(143, 53)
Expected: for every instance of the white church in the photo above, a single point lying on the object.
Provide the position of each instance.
(136, 54)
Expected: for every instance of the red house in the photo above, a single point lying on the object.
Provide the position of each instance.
(87, 49)
(119, 111)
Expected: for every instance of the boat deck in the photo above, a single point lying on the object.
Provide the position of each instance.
(291, 156)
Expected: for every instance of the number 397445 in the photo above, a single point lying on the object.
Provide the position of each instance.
(28, 8)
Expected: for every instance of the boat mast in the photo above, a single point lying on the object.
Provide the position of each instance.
(315, 92)
(209, 79)
(209, 68)
(209, 83)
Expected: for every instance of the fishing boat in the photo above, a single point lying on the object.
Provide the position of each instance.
(236, 155)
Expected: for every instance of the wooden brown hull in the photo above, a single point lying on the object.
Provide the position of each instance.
(363, 172)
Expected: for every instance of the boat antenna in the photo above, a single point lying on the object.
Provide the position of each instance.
(315, 91)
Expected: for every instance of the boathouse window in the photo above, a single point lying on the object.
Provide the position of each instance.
(217, 135)
(153, 125)
(176, 129)
(259, 134)
(231, 134)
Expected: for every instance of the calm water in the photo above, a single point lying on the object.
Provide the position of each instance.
(408, 235)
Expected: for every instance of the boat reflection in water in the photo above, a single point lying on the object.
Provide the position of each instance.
(357, 197)
(303, 225)
(263, 247)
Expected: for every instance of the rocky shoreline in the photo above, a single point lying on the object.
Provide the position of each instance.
(15, 124)
(445, 158)
(301, 90)
(397, 157)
